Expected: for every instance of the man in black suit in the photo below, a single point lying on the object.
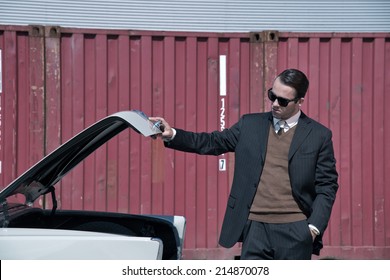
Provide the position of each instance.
(285, 178)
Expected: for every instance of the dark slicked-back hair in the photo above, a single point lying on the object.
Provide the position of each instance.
(295, 79)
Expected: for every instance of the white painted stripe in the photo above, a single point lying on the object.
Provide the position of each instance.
(222, 75)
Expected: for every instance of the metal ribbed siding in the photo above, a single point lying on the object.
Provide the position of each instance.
(175, 76)
(204, 15)
(92, 73)
(348, 89)
(21, 107)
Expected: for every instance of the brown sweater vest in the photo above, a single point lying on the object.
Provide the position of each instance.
(273, 202)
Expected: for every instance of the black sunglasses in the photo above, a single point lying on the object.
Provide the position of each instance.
(282, 101)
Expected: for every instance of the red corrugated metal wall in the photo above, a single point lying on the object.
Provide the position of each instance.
(349, 89)
(175, 75)
(58, 81)
(21, 101)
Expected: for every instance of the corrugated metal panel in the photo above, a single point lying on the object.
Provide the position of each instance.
(21, 101)
(92, 73)
(349, 77)
(204, 15)
(175, 75)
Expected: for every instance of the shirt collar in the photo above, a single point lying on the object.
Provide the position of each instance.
(291, 122)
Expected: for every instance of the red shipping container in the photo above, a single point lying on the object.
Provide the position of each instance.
(57, 81)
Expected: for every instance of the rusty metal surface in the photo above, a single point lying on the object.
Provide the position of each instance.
(22, 97)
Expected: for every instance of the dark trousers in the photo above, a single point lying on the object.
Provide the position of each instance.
(289, 241)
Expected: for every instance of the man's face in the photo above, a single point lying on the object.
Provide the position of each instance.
(281, 90)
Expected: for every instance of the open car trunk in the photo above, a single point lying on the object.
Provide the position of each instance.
(32, 233)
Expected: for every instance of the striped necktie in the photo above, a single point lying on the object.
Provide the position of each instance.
(282, 125)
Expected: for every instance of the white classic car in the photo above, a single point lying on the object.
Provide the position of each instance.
(29, 232)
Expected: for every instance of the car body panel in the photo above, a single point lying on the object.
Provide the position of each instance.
(74, 244)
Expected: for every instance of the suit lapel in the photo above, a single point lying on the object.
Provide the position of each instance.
(301, 132)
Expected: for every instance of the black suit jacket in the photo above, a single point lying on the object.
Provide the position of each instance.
(312, 168)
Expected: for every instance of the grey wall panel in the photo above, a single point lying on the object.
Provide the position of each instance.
(203, 15)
